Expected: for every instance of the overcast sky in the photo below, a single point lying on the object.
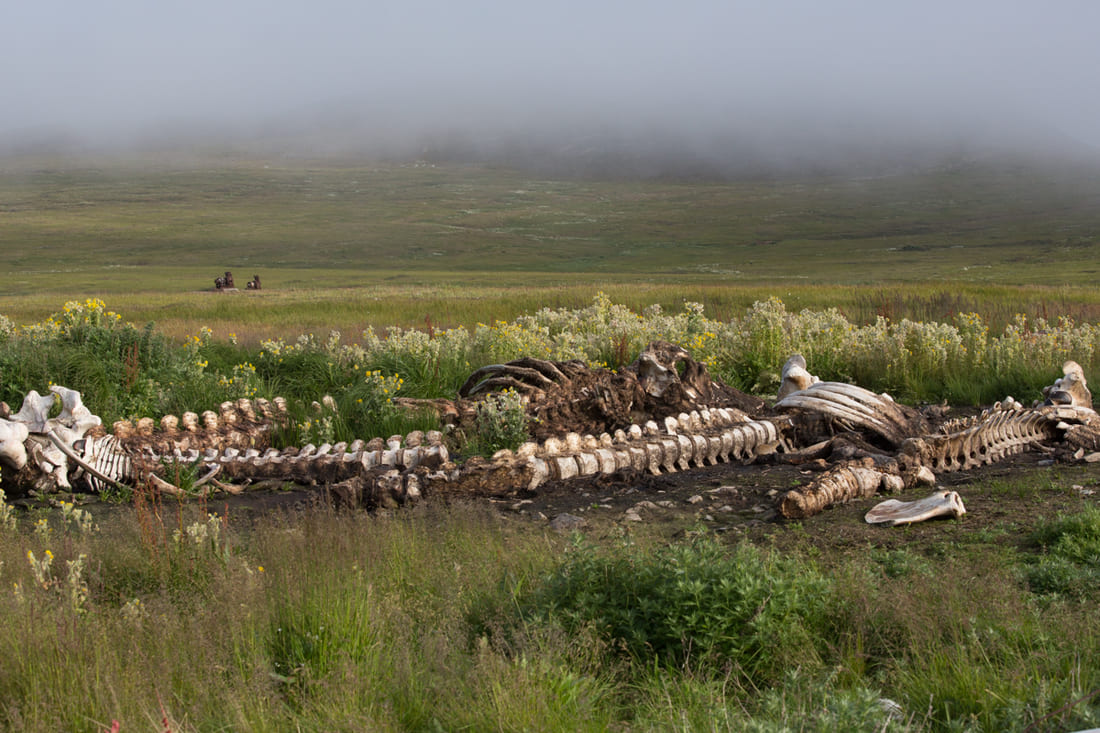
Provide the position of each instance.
(770, 68)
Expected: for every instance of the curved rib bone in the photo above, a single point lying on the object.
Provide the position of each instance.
(856, 406)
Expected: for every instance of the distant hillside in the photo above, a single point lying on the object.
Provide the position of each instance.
(988, 219)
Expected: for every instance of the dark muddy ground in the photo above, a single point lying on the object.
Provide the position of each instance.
(1004, 503)
(1004, 500)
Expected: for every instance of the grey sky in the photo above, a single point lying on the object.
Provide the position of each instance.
(799, 68)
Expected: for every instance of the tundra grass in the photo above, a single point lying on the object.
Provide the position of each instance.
(389, 244)
(439, 300)
(350, 244)
(444, 618)
(977, 222)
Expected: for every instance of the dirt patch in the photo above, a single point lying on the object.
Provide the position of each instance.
(1004, 502)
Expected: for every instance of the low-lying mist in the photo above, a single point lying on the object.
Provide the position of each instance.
(696, 88)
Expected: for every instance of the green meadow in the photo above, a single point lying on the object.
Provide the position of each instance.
(349, 244)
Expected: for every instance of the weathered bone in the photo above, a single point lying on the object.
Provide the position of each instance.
(169, 488)
(1071, 389)
(837, 486)
(690, 434)
(656, 368)
(893, 512)
(34, 411)
(72, 456)
(13, 435)
(75, 417)
(795, 377)
(855, 407)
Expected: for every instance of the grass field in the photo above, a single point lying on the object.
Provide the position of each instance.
(345, 245)
(191, 616)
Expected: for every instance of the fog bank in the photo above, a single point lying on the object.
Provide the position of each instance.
(645, 87)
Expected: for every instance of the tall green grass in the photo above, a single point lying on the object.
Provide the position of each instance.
(188, 618)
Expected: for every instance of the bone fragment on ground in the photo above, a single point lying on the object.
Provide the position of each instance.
(893, 512)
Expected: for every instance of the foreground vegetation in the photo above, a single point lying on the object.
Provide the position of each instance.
(446, 618)
(170, 617)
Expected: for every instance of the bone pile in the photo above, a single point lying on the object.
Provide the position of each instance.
(873, 444)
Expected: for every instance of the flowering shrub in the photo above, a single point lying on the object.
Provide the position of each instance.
(242, 382)
(127, 371)
(500, 422)
(74, 588)
(79, 518)
(7, 515)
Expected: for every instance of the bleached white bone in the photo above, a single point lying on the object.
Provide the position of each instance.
(34, 411)
(74, 413)
(12, 448)
(795, 377)
(893, 512)
(72, 456)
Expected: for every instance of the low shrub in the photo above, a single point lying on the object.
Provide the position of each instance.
(500, 422)
(698, 605)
